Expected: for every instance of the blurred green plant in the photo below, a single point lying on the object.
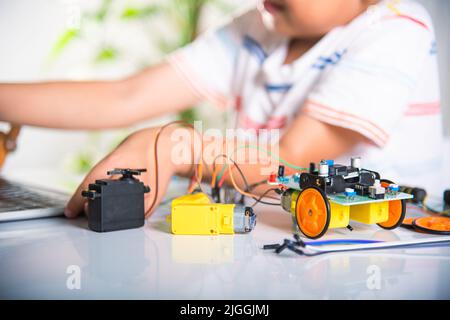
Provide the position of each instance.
(183, 16)
(62, 42)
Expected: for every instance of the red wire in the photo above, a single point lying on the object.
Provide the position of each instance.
(222, 180)
(193, 181)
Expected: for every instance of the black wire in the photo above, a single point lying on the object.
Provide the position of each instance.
(265, 202)
(244, 179)
(259, 200)
(248, 187)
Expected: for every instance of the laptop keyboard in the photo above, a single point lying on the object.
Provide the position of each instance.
(18, 197)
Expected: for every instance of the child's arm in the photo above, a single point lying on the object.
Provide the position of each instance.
(98, 104)
(306, 140)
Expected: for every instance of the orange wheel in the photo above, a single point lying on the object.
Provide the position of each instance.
(312, 212)
(408, 223)
(397, 209)
(435, 225)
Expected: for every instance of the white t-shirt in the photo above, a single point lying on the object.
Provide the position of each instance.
(377, 76)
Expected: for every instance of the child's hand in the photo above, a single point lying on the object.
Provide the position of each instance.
(135, 152)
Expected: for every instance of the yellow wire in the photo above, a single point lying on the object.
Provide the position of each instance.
(392, 6)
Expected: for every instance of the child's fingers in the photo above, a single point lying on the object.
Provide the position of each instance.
(86, 208)
(75, 206)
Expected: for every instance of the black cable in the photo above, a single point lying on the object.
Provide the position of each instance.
(248, 188)
(259, 200)
(244, 179)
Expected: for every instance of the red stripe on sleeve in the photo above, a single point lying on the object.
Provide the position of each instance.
(347, 120)
(409, 18)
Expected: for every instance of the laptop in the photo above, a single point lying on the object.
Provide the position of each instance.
(23, 201)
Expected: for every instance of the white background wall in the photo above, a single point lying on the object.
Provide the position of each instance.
(440, 12)
(29, 28)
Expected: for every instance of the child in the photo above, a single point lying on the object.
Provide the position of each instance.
(337, 77)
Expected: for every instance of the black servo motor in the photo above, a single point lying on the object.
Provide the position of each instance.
(116, 204)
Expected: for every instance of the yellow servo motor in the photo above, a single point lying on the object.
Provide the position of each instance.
(194, 214)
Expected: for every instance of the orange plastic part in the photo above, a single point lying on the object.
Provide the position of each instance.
(438, 225)
(384, 184)
(408, 222)
(312, 213)
(396, 215)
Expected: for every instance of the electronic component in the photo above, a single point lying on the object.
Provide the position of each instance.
(350, 193)
(272, 178)
(355, 162)
(338, 169)
(280, 171)
(194, 214)
(323, 169)
(361, 189)
(335, 194)
(393, 189)
(116, 204)
(288, 198)
(376, 191)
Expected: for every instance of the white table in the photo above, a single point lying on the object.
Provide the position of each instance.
(151, 263)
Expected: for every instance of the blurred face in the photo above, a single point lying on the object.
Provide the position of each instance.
(312, 18)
